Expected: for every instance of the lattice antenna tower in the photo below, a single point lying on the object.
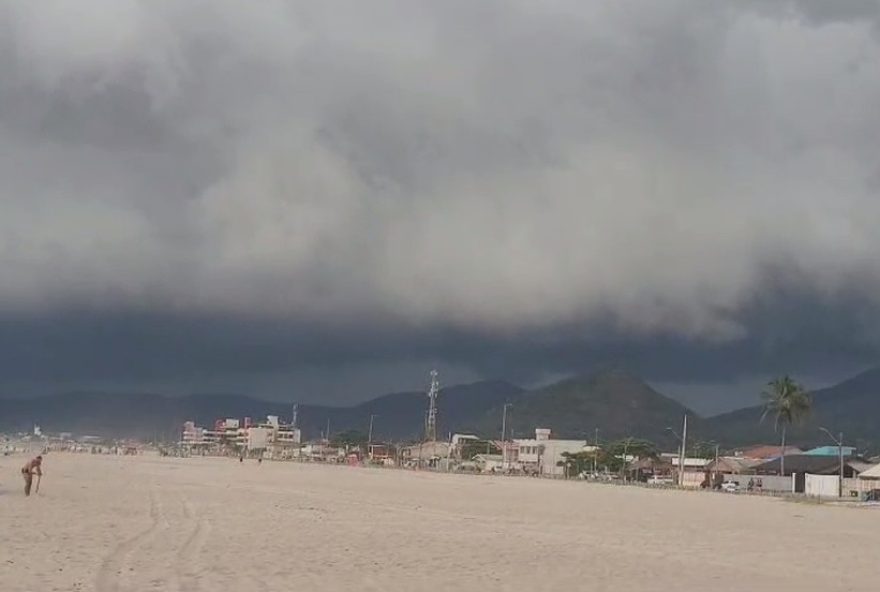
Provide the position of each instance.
(431, 418)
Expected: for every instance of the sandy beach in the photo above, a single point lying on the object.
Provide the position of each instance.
(136, 524)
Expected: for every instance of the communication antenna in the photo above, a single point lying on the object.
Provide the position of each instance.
(431, 418)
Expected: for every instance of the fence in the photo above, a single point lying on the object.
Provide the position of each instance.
(822, 485)
(859, 488)
(762, 483)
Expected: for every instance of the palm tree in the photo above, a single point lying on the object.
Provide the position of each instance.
(789, 403)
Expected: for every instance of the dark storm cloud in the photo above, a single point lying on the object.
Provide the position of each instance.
(820, 12)
(507, 187)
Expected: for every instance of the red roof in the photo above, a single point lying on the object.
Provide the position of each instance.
(763, 451)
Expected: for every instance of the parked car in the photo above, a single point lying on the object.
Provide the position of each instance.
(659, 480)
(596, 476)
(730, 486)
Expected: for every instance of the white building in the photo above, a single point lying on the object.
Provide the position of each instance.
(542, 454)
(258, 438)
(192, 435)
(690, 464)
(460, 439)
(425, 453)
(277, 440)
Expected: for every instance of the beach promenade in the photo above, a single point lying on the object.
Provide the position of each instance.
(137, 524)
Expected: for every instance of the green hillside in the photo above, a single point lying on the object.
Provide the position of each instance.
(616, 402)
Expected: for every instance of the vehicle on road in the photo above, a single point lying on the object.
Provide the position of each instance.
(730, 486)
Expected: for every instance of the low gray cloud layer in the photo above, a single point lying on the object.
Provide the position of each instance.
(583, 173)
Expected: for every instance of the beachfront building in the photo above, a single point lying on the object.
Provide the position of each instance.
(381, 454)
(229, 433)
(459, 440)
(799, 464)
(693, 474)
(431, 454)
(192, 435)
(871, 473)
(800, 468)
(868, 486)
(462, 444)
(270, 438)
(644, 469)
(274, 439)
(732, 465)
(542, 454)
(728, 468)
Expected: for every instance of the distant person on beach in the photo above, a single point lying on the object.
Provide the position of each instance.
(31, 468)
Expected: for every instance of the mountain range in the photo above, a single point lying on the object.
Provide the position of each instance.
(397, 416)
(851, 407)
(618, 403)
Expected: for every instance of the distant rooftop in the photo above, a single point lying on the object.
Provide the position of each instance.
(764, 451)
(831, 451)
(805, 463)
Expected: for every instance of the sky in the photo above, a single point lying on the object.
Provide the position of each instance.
(320, 201)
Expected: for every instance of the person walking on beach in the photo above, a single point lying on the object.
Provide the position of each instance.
(31, 468)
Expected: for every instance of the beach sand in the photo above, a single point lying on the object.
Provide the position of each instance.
(146, 523)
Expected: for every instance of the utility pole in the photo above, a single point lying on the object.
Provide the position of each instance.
(504, 423)
(713, 475)
(328, 431)
(596, 453)
(839, 442)
(840, 450)
(683, 452)
(431, 419)
(504, 451)
(370, 432)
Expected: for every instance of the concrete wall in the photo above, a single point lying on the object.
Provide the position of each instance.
(693, 479)
(429, 450)
(822, 485)
(857, 488)
(766, 483)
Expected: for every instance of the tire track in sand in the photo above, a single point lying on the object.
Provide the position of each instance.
(110, 572)
(188, 566)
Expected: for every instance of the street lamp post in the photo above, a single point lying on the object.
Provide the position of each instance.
(682, 439)
(839, 442)
(370, 432)
(505, 453)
